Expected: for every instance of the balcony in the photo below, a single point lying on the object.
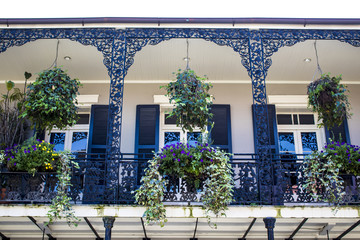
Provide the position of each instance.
(112, 180)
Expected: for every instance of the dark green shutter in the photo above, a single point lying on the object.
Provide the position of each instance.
(98, 129)
(271, 111)
(221, 132)
(338, 133)
(147, 129)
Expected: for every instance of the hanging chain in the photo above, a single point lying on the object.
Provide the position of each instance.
(56, 55)
(187, 54)
(317, 61)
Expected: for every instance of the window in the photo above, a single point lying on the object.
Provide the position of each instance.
(170, 133)
(298, 133)
(74, 139)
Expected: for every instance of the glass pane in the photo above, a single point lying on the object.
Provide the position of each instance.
(83, 119)
(171, 120)
(309, 143)
(284, 118)
(171, 137)
(79, 142)
(59, 140)
(286, 143)
(307, 119)
(193, 137)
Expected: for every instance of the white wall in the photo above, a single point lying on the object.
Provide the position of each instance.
(239, 97)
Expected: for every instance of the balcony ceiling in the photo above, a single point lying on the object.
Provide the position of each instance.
(157, 63)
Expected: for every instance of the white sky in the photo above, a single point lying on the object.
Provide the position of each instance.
(182, 8)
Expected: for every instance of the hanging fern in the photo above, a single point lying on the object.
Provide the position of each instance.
(190, 95)
(327, 96)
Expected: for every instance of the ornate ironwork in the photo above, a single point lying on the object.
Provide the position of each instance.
(120, 46)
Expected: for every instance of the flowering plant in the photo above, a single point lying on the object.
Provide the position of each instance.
(195, 164)
(323, 169)
(187, 161)
(32, 156)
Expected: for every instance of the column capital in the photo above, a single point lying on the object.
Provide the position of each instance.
(269, 222)
(108, 222)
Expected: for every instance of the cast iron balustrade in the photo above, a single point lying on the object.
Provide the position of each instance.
(89, 182)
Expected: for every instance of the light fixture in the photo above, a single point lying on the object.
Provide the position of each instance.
(67, 58)
(186, 59)
(307, 60)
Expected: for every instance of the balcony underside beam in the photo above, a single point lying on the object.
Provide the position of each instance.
(297, 229)
(348, 230)
(248, 229)
(3, 237)
(43, 229)
(92, 229)
(144, 229)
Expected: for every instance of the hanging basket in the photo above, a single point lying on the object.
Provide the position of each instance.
(52, 101)
(327, 96)
(190, 95)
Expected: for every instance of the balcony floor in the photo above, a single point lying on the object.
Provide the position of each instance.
(16, 224)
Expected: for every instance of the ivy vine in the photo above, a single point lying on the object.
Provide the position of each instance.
(327, 96)
(190, 95)
(190, 163)
(61, 206)
(51, 100)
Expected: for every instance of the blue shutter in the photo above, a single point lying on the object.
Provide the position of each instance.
(147, 129)
(271, 110)
(221, 132)
(338, 132)
(98, 129)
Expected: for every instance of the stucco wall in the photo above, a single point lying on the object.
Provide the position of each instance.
(237, 95)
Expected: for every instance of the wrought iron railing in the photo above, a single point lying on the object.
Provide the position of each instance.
(91, 183)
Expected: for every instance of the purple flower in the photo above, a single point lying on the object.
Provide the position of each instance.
(349, 161)
(14, 164)
(210, 150)
(174, 154)
(183, 152)
(12, 157)
(201, 160)
(335, 153)
(171, 150)
(191, 156)
(211, 160)
(326, 146)
(188, 153)
(178, 159)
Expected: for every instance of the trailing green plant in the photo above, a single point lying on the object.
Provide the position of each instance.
(327, 96)
(31, 156)
(218, 190)
(203, 166)
(151, 193)
(61, 206)
(323, 169)
(190, 95)
(12, 125)
(51, 100)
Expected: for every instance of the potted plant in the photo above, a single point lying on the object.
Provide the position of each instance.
(32, 156)
(327, 96)
(323, 171)
(12, 125)
(203, 166)
(51, 100)
(192, 102)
